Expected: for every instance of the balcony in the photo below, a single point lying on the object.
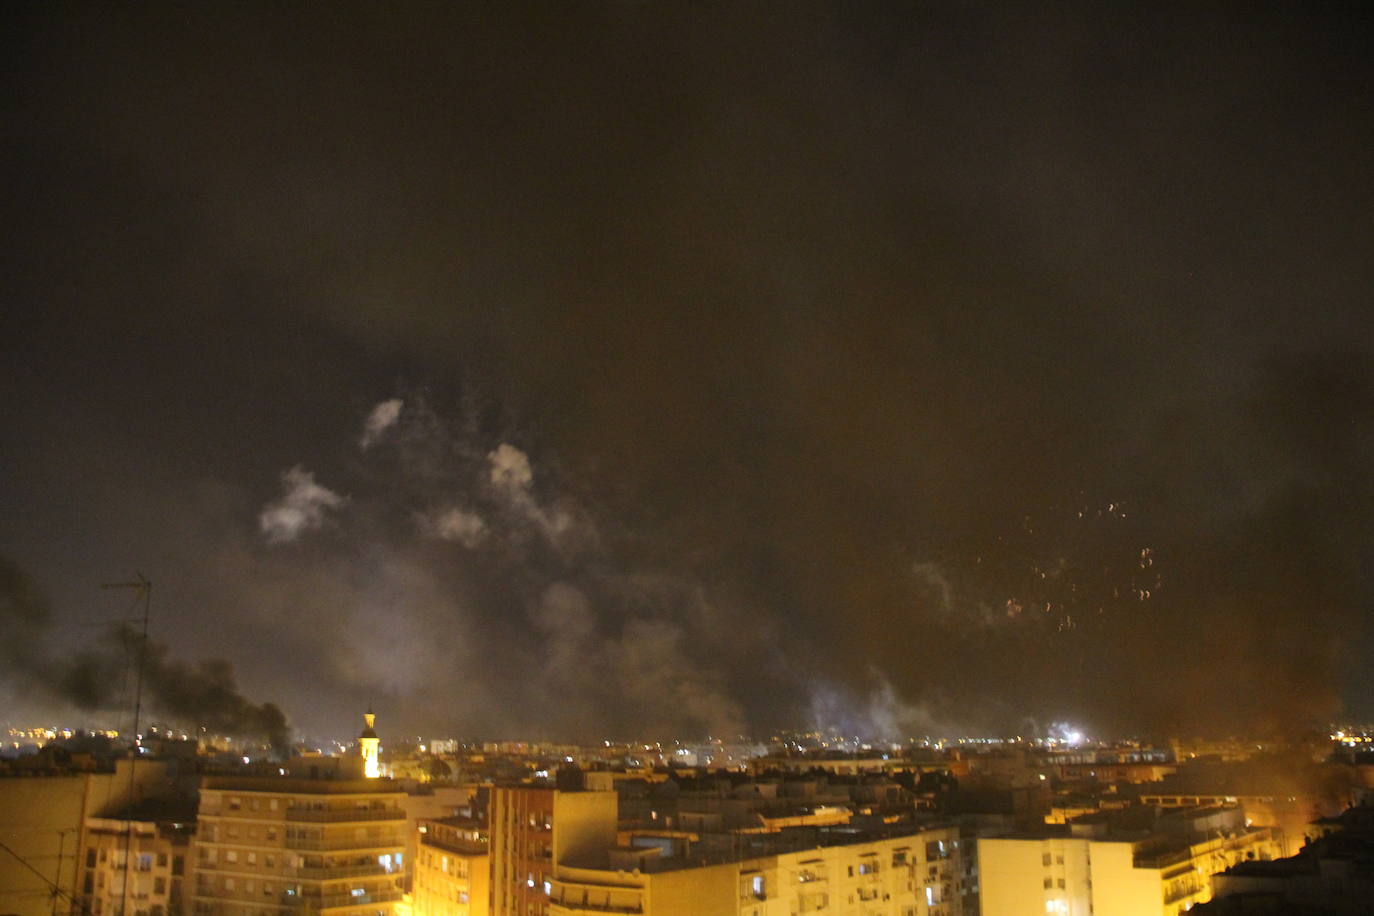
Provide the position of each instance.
(560, 906)
(1179, 893)
(1163, 859)
(335, 844)
(331, 872)
(344, 815)
(338, 901)
(458, 847)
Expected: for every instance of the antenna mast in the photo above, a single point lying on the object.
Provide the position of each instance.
(144, 592)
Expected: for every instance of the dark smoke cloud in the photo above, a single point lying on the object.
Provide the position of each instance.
(100, 677)
(26, 615)
(758, 361)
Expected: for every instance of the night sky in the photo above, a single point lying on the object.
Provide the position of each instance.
(617, 371)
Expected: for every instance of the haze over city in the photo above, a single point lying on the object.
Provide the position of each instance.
(626, 372)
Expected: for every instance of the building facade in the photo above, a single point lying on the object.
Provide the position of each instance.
(532, 829)
(452, 868)
(1156, 875)
(317, 845)
(844, 873)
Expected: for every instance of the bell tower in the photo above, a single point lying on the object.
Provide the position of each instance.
(368, 746)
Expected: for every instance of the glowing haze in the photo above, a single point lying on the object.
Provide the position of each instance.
(898, 371)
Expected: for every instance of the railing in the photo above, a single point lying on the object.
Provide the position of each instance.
(1179, 893)
(571, 907)
(329, 872)
(1163, 859)
(344, 815)
(460, 847)
(336, 901)
(334, 844)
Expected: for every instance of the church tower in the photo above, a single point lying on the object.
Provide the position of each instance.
(368, 746)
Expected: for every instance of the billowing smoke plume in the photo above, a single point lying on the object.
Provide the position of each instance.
(99, 677)
(382, 418)
(302, 507)
(25, 615)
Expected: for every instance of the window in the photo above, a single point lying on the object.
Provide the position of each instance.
(235, 804)
(1059, 883)
(159, 885)
(1045, 860)
(1049, 883)
(271, 804)
(231, 855)
(162, 860)
(1058, 860)
(228, 884)
(271, 833)
(90, 858)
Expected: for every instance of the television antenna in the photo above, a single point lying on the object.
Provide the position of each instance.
(143, 592)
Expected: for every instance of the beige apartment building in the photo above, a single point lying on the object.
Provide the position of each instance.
(1155, 874)
(134, 867)
(535, 828)
(852, 873)
(452, 868)
(268, 845)
(43, 820)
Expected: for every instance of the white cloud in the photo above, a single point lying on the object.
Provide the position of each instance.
(467, 528)
(382, 418)
(562, 523)
(510, 471)
(301, 508)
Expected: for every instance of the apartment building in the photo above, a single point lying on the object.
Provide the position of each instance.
(1086, 868)
(452, 868)
(331, 846)
(908, 871)
(134, 867)
(532, 829)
